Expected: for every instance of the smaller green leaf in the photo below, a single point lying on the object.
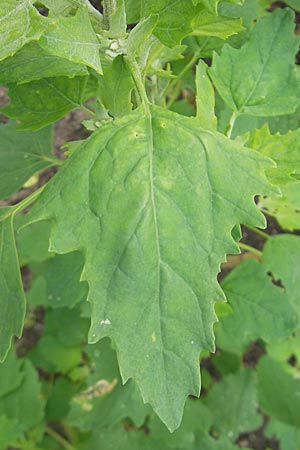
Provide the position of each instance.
(133, 10)
(175, 19)
(260, 78)
(57, 284)
(20, 23)
(42, 102)
(93, 408)
(115, 88)
(285, 208)
(293, 4)
(282, 404)
(139, 35)
(24, 404)
(68, 326)
(49, 354)
(285, 349)
(205, 98)
(11, 430)
(209, 24)
(22, 154)
(75, 40)
(34, 63)
(33, 242)
(287, 435)
(117, 18)
(284, 149)
(12, 298)
(58, 404)
(61, 7)
(281, 256)
(233, 404)
(196, 418)
(206, 442)
(250, 292)
(11, 375)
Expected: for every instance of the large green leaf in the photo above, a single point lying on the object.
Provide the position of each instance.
(75, 40)
(41, 102)
(22, 154)
(34, 63)
(260, 78)
(12, 298)
(233, 404)
(257, 306)
(20, 23)
(151, 201)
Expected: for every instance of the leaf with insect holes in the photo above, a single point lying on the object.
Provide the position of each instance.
(12, 297)
(260, 309)
(151, 200)
(280, 257)
(260, 78)
(285, 208)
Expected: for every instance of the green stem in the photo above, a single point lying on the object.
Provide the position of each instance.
(250, 249)
(174, 82)
(27, 201)
(174, 95)
(140, 87)
(233, 118)
(259, 232)
(87, 110)
(108, 8)
(58, 438)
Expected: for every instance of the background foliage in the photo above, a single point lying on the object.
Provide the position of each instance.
(193, 111)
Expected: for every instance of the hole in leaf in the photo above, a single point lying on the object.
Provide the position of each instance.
(292, 360)
(276, 282)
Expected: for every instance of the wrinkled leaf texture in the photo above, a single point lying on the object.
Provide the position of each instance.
(151, 199)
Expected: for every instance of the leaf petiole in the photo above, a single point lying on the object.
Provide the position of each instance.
(258, 232)
(250, 249)
(58, 438)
